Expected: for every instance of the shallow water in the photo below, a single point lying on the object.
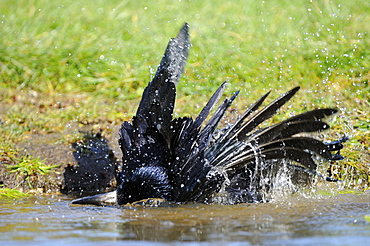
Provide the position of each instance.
(51, 220)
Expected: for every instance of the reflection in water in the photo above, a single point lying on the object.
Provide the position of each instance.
(308, 219)
(198, 223)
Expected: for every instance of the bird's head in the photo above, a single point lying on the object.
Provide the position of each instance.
(145, 182)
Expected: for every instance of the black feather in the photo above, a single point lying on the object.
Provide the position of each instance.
(295, 127)
(264, 114)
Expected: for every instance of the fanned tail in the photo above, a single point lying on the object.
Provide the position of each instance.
(242, 146)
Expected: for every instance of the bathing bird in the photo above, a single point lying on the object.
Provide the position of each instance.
(185, 159)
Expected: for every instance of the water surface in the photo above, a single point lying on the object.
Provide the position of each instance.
(51, 220)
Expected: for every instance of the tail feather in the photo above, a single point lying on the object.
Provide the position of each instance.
(264, 114)
(337, 145)
(207, 109)
(289, 148)
(188, 132)
(211, 125)
(190, 146)
(237, 125)
(296, 127)
(200, 143)
(244, 131)
(315, 115)
(267, 134)
(303, 143)
(248, 159)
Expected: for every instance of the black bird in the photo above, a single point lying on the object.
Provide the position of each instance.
(183, 160)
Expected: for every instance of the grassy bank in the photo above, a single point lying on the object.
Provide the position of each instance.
(68, 63)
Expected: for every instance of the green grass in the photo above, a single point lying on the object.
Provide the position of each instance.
(6, 193)
(26, 169)
(28, 166)
(68, 62)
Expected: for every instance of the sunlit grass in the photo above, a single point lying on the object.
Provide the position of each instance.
(6, 193)
(67, 62)
(29, 168)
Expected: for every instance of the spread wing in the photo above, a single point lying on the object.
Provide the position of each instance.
(145, 141)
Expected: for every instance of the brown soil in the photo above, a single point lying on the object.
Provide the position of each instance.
(87, 166)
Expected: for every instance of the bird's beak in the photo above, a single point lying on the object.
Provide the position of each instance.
(104, 199)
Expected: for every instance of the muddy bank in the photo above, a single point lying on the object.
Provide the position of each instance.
(87, 165)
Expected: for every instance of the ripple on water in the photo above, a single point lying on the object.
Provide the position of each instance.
(304, 220)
